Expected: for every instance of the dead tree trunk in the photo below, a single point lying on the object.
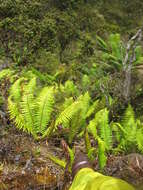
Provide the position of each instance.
(128, 61)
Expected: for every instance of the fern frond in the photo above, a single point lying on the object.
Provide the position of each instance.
(15, 114)
(75, 124)
(66, 115)
(92, 128)
(28, 112)
(101, 153)
(48, 132)
(70, 88)
(102, 121)
(67, 102)
(87, 141)
(85, 101)
(16, 89)
(89, 149)
(128, 117)
(102, 44)
(139, 55)
(6, 73)
(115, 43)
(57, 161)
(129, 124)
(31, 86)
(45, 103)
(72, 156)
(139, 140)
(95, 107)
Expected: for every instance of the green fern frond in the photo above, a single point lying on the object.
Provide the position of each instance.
(15, 114)
(74, 126)
(27, 106)
(89, 149)
(129, 124)
(87, 141)
(85, 101)
(102, 44)
(57, 161)
(48, 132)
(102, 121)
(70, 88)
(66, 115)
(79, 120)
(45, 103)
(31, 86)
(95, 107)
(139, 55)
(115, 44)
(6, 73)
(67, 102)
(101, 153)
(72, 156)
(139, 140)
(128, 117)
(92, 128)
(16, 89)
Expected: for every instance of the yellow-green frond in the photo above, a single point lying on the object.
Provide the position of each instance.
(15, 90)
(15, 114)
(67, 114)
(27, 106)
(45, 103)
(102, 121)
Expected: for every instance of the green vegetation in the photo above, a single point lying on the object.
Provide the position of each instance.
(66, 74)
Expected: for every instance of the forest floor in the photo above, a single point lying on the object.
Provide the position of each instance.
(24, 164)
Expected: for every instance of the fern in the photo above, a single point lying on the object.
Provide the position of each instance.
(45, 103)
(115, 44)
(67, 102)
(95, 107)
(139, 140)
(102, 44)
(92, 128)
(129, 124)
(31, 86)
(101, 153)
(89, 149)
(71, 156)
(15, 114)
(74, 116)
(5, 73)
(31, 112)
(129, 132)
(16, 90)
(57, 161)
(28, 112)
(101, 119)
(66, 115)
(104, 138)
